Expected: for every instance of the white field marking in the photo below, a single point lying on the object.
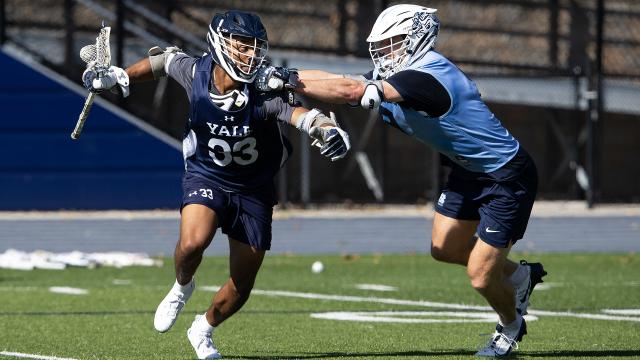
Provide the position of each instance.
(422, 303)
(429, 317)
(211, 288)
(376, 287)
(121, 282)
(547, 286)
(68, 290)
(346, 298)
(621, 311)
(31, 356)
(583, 315)
(632, 283)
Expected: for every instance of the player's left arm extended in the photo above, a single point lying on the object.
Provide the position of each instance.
(325, 131)
(348, 90)
(329, 87)
(150, 68)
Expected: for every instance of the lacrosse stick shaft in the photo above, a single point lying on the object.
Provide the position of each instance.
(83, 116)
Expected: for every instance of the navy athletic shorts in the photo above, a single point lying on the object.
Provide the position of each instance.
(501, 200)
(245, 217)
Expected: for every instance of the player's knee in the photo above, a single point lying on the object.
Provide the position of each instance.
(243, 288)
(480, 280)
(190, 244)
(439, 254)
(442, 254)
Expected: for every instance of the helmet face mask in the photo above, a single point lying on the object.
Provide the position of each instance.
(239, 41)
(402, 34)
(390, 55)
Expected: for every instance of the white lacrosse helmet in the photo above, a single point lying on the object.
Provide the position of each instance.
(402, 32)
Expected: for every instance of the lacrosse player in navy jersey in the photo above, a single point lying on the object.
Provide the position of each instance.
(232, 149)
(493, 182)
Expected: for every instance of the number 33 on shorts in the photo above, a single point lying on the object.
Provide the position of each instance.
(207, 193)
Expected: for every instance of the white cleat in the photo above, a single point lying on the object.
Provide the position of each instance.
(202, 342)
(502, 343)
(170, 307)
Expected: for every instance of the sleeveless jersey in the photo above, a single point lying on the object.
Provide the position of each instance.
(469, 133)
(238, 150)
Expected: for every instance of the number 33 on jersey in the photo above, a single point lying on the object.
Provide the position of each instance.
(238, 149)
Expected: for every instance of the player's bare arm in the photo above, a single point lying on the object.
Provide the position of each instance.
(329, 87)
(140, 71)
(345, 89)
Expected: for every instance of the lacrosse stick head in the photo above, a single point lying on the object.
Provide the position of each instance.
(88, 53)
(98, 55)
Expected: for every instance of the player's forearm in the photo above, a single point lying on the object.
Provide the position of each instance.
(336, 91)
(140, 71)
(317, 75)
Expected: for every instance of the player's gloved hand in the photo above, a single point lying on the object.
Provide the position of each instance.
(98, 80)
(332, 141)
(373, 95)
(274, 78)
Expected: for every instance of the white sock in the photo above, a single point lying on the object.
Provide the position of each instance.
(513, 328)
(201, 324)
(186, 289)
(519, 275)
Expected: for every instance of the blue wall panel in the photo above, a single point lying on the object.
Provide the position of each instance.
(114, 164)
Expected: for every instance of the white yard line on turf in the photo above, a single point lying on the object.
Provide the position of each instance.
(622, 311)
(430, 304)
(376, 287)
(31, 356)
(417, 317)
(68, 290)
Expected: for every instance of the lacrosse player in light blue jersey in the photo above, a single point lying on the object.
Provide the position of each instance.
(493, 182)
(232, 149)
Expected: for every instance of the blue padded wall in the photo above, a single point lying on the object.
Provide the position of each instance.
(114, 164)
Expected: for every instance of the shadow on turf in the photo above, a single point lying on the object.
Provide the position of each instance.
(354, 354)
(575, 353)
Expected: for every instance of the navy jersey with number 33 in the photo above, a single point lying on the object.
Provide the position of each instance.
(241, 149)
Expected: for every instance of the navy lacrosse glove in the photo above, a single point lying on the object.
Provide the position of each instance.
(274, 78)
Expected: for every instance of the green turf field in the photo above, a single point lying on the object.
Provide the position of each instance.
(114, 320)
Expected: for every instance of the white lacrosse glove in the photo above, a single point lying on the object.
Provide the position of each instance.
(373, 95)
(332, 141)
(96, 80)
(325, 132)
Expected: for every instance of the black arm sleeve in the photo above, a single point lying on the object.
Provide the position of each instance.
(421, 92)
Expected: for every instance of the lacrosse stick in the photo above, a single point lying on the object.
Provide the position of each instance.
(98, 58)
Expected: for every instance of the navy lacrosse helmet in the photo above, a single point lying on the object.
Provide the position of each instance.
(239, 41)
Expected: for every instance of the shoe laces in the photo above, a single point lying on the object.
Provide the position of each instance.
(205, 338)
(499, 340)
(175, 305)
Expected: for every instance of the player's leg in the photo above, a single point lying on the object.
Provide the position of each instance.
(506, 207)
(244, 264)
(485, 271)
(248, 226)
(452, 239)
(197, 227)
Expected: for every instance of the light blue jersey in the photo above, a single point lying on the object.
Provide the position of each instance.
(468, 133)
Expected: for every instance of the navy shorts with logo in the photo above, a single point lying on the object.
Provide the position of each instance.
(245, 217)
(501, 200)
